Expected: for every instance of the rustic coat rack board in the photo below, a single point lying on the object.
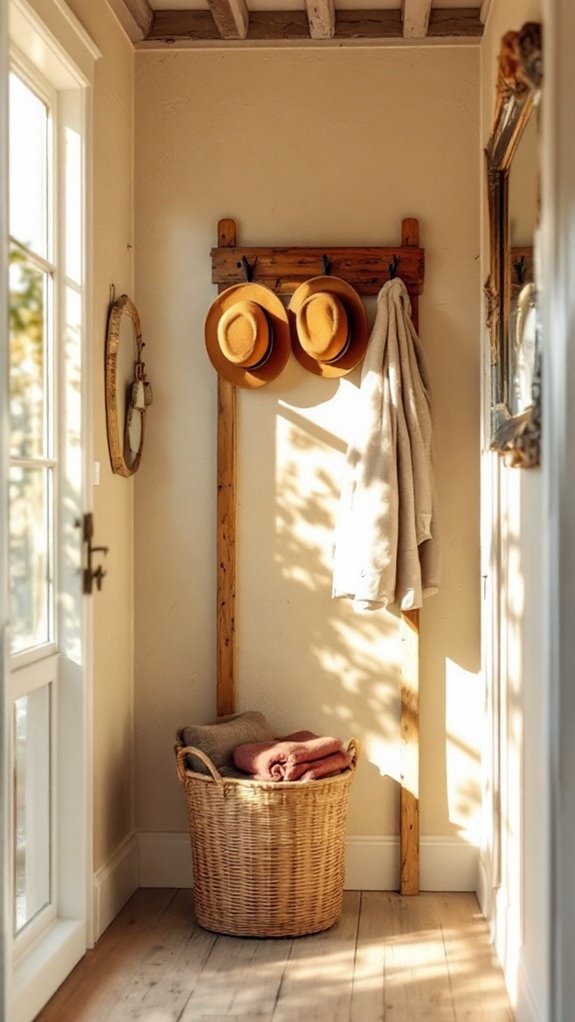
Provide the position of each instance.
(284, 269)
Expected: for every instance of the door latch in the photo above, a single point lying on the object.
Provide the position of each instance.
(91, 574)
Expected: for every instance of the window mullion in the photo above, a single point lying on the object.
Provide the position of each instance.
(33, 462)
(36, 260)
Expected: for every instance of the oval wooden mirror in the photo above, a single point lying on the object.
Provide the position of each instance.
(128, 392)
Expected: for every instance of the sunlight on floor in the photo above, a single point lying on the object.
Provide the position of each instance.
(387, 958)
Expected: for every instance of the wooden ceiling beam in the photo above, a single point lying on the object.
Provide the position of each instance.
(232, 18)
(195, 28)
(415, 18)
(135, 16)
(321, 18)
(462, 22)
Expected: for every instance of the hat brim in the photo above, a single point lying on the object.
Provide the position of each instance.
(278, 320)
(358, 327)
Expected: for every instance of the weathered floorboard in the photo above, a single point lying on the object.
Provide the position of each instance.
(95, 985)
(423, 959)
(171, 968)
(318, 979)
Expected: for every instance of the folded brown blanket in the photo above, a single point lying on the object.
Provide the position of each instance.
(219, 739)
(299, 756)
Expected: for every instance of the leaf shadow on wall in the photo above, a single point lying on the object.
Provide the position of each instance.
(332, 670)
(339, 669)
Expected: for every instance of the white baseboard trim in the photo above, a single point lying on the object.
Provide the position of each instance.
(483, 890)
(372, 863)
(448, 864)
(529, 1006)
(115, 881)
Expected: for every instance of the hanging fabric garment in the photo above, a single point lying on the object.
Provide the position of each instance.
(386, 546)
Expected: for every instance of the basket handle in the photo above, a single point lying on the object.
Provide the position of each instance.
(182, 751)
(353, 748)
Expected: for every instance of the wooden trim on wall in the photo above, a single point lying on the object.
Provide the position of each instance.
(284, 269)
(226, 525)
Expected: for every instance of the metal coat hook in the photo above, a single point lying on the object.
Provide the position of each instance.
(326, 265)
(520, 267)
(393, 267)
(248, 269)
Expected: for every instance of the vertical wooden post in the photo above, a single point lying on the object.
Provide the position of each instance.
(409, 755)
(226, 525)
(409, 722)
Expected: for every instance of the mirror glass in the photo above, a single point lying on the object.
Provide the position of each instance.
(131, 418)
(523, 206)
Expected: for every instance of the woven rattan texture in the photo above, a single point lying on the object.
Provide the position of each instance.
(268, 857)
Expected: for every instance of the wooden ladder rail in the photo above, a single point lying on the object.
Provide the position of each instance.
(284, 269)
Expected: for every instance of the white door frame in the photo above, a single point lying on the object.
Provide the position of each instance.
(5, 907)
(33, 982)
(558, 462)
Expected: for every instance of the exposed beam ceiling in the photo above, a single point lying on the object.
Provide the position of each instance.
(415, 16)
(231, 22)
(135, 17)
(321, 18)
(231, 17)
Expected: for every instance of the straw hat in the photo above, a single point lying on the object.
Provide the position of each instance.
(328, 325)
(247, 335)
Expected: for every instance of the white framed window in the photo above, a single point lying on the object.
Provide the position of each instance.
(33, 485)
(34, 328)
(48, 690)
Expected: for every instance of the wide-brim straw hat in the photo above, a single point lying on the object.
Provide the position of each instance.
(337, 350)
(239, 312)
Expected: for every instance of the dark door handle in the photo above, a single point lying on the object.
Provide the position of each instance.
(91, 574)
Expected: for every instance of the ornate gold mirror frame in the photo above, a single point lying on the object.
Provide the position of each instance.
(515, 434)
(125, 427)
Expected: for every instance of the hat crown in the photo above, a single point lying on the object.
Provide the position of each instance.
(322, 326)
(328, 339)
(243, 333)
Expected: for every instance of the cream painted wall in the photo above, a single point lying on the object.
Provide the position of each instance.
(519, 908)
(113, 110)
(300, 147)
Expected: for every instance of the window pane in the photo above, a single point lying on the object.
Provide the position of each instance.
(30, 557)
(28, 399)
(28, 167)
(32, 785)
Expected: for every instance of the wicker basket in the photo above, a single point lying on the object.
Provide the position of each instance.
(268, 856)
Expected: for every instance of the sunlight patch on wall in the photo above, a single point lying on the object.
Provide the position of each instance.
(356, 655)
(306, 499)
(463, 706)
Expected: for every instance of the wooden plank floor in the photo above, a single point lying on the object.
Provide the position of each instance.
(388, 959)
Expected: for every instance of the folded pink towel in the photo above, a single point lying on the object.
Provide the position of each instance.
(299, 756)
(326, 766)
